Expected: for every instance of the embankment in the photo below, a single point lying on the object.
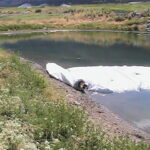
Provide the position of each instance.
(38, 112)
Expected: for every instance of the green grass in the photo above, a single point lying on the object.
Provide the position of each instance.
(16, 27)
(105, 26)
(21, 17)
(117, 7)
(23, 99)
(136, 22)
(128, 26)
(32, 116)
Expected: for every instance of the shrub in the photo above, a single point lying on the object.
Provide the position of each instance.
(135, 28)
(38, 11)
(119, 19)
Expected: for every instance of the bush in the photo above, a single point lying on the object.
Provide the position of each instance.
(135, 28)
(38, 11)
(119, 19)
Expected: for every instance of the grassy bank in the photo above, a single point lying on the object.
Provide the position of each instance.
(127, 17)
(34, 115)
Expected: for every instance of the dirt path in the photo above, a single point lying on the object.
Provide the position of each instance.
(110, 122)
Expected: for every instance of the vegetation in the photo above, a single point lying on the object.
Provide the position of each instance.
(34, 115)
(126, 17)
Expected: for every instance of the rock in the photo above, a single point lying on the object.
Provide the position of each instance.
(25, 5)
(76, 103)
(43, 5)
(100, 111)
(65, 5)
(148, 26)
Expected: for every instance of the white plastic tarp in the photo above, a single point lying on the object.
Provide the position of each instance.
(104, 79)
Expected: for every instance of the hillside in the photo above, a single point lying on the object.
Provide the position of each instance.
(37, 2)
(58, 2)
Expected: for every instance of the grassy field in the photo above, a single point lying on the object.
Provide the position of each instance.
(127, 17)
(121, 7)
(34, 115)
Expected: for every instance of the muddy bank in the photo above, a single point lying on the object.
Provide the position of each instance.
(99, 114)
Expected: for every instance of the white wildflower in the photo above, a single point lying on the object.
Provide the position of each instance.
(62, 149)
(4, 90)
(45, 118)
(56, 141)
(12, 131)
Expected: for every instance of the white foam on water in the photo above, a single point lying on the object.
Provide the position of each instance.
(104, 79)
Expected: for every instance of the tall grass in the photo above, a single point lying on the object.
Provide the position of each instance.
(16, 27)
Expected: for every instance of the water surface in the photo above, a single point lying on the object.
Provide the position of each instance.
(133, 107)
(73, 49)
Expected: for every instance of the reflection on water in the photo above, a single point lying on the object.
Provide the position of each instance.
(131, 106)
(104, 38)
(73, 49)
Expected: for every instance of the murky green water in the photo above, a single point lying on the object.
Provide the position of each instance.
(73, 49)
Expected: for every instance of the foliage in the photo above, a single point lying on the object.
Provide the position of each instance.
(119, 18)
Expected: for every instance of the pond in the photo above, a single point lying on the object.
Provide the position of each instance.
(75, 49)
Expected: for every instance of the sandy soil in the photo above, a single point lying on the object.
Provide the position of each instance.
(99, 114)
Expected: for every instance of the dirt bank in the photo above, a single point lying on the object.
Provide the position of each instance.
(109, 121)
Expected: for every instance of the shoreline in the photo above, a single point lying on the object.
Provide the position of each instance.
(67, 30)
(97, 113)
